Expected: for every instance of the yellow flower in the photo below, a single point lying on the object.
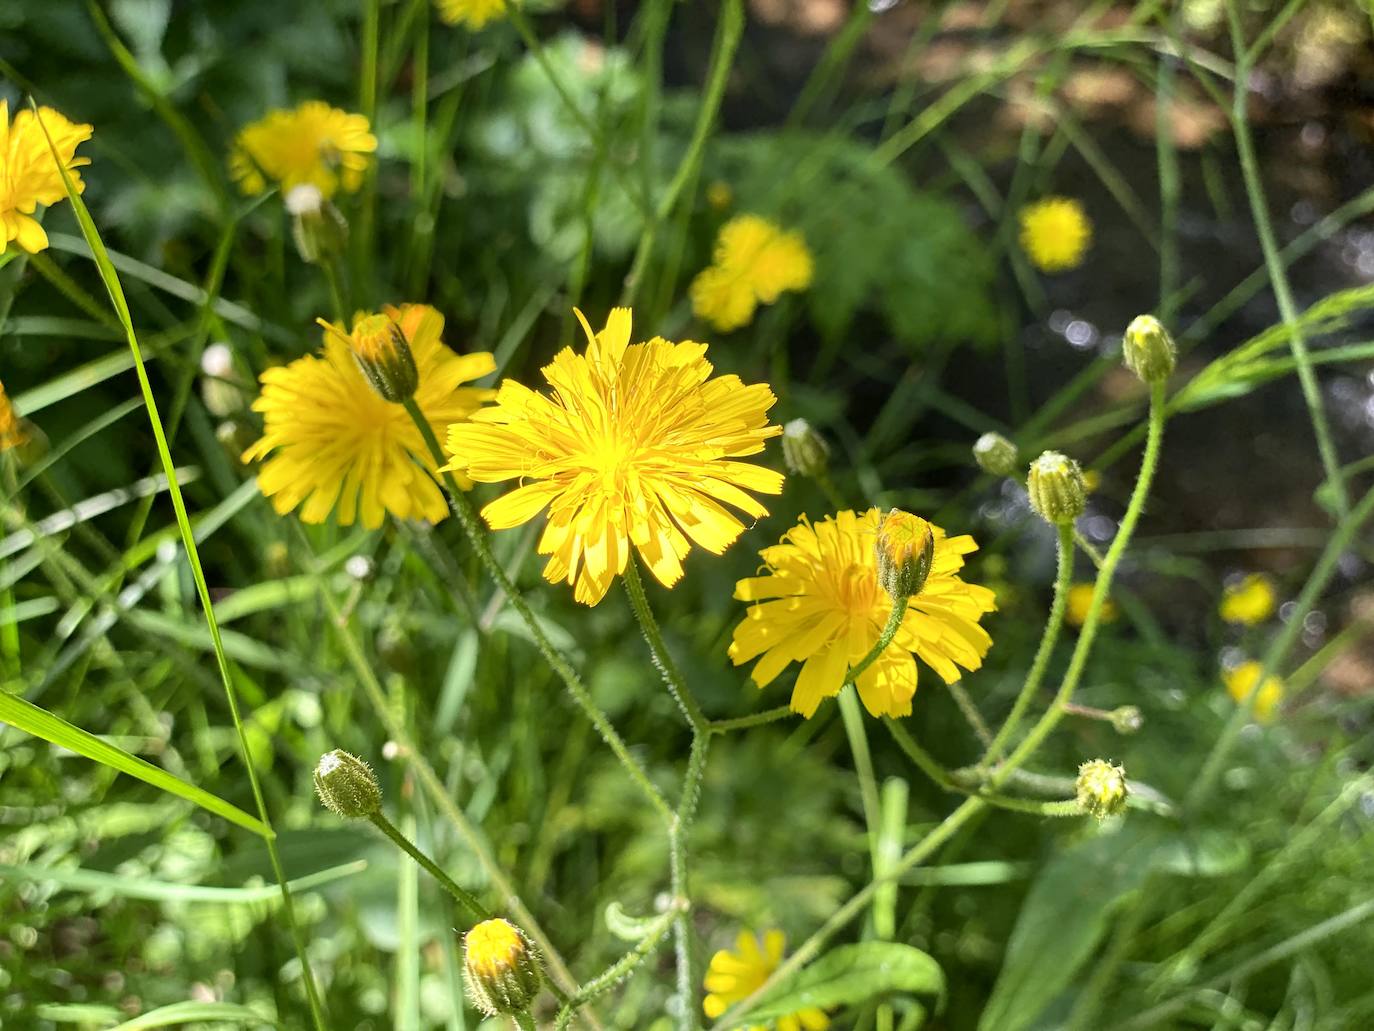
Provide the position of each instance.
(335, 444)
(755, 262)
(821, 605)
(314, 144)
(1241, 683)
(472, 13)
(1078, 601)
(631, 448)
(28, 174)
(11, 428)
(1055, 233)
(1249, 602)
(735, 975)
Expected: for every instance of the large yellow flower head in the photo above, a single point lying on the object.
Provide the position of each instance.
(633, 447)
(1249, 602)
(820, 604)
(1055, 233)
(472, 13)
(28, 174)
(755, 262)
(1244, 681)
(11, 427)
(333, 444)
(314, 144)
(736, 974)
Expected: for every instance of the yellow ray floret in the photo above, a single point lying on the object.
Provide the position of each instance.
(1055, 233)
(12, 433)
(736, 974)
(820, 604)
(313, 144)
(1244, 681)
(633, 447)
(472, 13)
(331, 443)
(1249, 602)
(755, 262)
(28, 174)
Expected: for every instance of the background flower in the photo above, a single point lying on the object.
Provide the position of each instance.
(736, 974)
(311, 144)
(28, 174)
(1055, 233)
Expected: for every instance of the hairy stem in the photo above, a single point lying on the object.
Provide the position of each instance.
(475, 910)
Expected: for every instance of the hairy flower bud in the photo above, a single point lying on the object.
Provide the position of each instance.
(1148, 349)
(347, 786)
(1101, 788)
(804, 451)
(383, 354)
(905, 548)
(995, 454)
(1056, 488)
(318, 228)
(502, 966)
(1126, 719)
(222, 398)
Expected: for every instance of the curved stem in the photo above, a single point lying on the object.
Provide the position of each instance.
(894, 623)
(618, 970)
(462, 896)
(663, 659)
(753, 720)
(1048, 639)
(683, 940)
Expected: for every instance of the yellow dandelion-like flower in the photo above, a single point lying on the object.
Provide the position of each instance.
(472, 13)
(1055, 233)
(313, 144)
(12, 433)
(1249, 602)
(723, 298)
(754, 259)
(1079, 600)
(736, 974)
(331, 443)
(28, 174)
(821, 605)
(633, 447)
(1243, 681)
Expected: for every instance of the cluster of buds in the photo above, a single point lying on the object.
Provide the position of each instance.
(905, 549)
(1056, 488)
(1101, 788)
(503, 970)
(347, 786)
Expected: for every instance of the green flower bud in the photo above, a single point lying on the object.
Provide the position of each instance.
(382, 352)
(318, 228)
(504, 974)
(1101, 788)
(905, 548)
(1149, 350)
(347, 786)
(995, 454)
(222, 398)
(1056, 488)
(1126, 719)
(804, 451)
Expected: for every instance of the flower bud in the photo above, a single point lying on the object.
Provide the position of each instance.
(905, 548)
(380, 347)
(347, 786)
(1126, 719)
(503, 969)
(318, 228)
(1148, 349)
(995, 454)
(222, 398)
(1056, 488)
(804, 451)
(1101, 788)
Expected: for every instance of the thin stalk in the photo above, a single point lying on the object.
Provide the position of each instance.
(618, 970)
(753, 720)
(852, 714)
(894, 623)
(684, 943)
(970, 712)
(523, 1020)
(1048, 639)
(475, 910)
(658, 650)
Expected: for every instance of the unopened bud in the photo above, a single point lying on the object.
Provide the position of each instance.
(347, 786)
(1101, 788)
(222, 398)
(235, 438)
(905, 548)
(504, 974)
(1056, 488)
(995, 454)
(1126, 719)
(1149, 350)
(383, 354)
(804, 451)
(318, 228)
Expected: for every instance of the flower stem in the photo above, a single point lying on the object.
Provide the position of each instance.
(894, 623)
(684, 944)
(852, 713)
(464, 898)
(663, 659)
(621, 968)
(752, 720)
(523, 1020)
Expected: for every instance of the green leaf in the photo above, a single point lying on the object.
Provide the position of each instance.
(187, 1012)
(849, 975)
(42, 724)
(77, 879)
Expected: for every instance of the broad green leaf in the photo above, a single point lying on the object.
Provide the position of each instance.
(197, 1012)
(29, 718)
(849, 975)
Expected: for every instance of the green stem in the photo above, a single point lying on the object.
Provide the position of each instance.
(754, 720)
(684, 944)
(618, 970)
(331, 276)
(970, 712)
(894, 623)
(523, 1020)
(464, 898)
(663, 659)
(852, 713)
(1048, 639)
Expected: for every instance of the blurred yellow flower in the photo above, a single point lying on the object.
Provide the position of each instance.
(820, 604)
(632, 448)
(1078, 601)
(735, 975)
(472, 13)
(28, 174)
(313, 144)
(1055, 233)
(11, 429)
(1241, 684)
(334, 444)
(1249, 602)
(755, 261)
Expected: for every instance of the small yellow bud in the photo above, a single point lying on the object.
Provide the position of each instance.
(382, 352)
(905, 548)
(1102, 789)
(804, 451)
(1149, 350)
(318, 228)
(995, 454)
(1056, 488)
(1126, 719)
(503, 970)
(347, 786)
